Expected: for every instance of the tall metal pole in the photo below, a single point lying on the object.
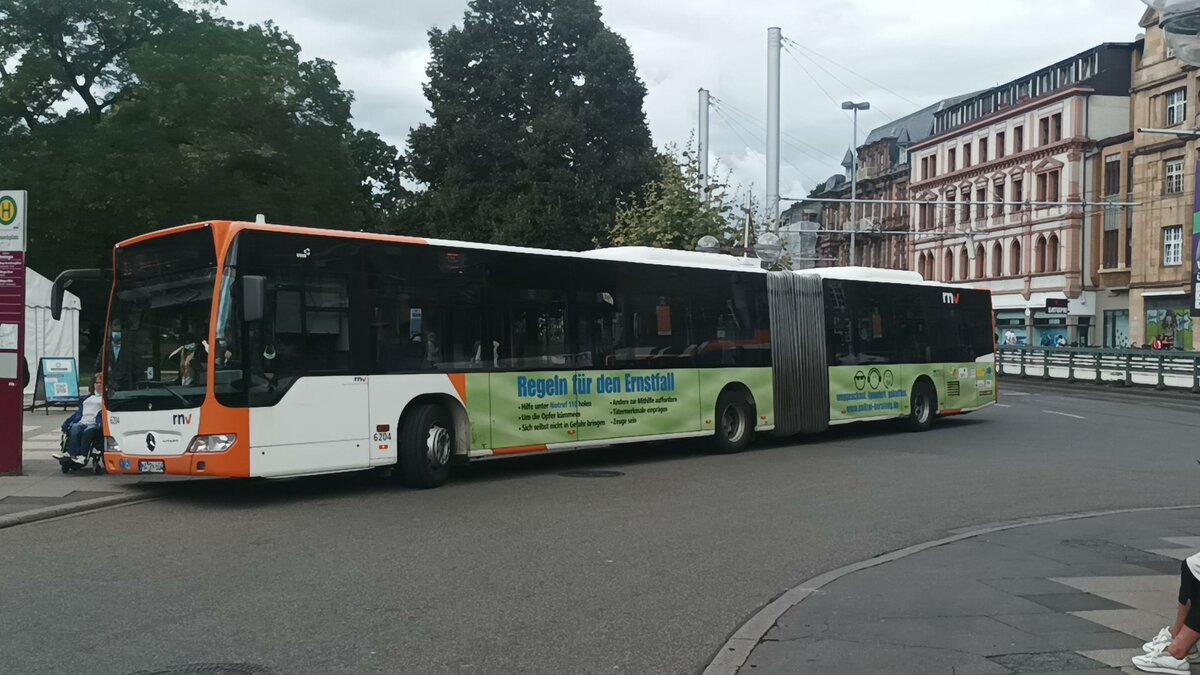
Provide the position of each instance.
(774, 38)
(702, 133)
(854, 190)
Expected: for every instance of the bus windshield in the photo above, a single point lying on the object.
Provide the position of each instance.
(156, 349)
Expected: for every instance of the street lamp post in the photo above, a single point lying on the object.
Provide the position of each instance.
(850, 105)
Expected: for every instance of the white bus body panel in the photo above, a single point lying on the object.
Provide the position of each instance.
(390, 395)
(320, 425)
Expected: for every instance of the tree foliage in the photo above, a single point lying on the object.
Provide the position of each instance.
(124, 116)
(538, 128)
(672, 214)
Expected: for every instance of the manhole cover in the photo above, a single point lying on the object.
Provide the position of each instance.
(209, 669)
(591, 473)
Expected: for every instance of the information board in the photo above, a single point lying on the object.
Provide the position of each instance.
(12, 328)
(58, 381)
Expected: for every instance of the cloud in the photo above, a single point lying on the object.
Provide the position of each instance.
(923, 51)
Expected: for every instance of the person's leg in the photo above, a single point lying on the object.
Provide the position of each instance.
(90, 434)
(75, 439)
(1189, 632)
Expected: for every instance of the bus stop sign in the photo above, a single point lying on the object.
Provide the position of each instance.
(12, 328)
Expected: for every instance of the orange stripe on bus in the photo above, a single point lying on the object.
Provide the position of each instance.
(519, 450)
(955, 411)
(459, 380)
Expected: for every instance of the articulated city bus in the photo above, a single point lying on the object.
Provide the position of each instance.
(241, 349)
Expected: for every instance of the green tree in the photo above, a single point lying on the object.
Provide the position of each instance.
(538, 128)
(672, 214)
(196, 118)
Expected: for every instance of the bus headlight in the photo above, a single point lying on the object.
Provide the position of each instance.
(111, 445)
(214, 443)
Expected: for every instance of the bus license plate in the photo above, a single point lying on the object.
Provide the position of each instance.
(158, 466)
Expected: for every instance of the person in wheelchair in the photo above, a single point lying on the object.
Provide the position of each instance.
(83, 428)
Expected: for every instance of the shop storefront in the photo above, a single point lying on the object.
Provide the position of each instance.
(1168, 319)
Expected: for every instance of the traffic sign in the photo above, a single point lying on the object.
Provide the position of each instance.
(13, 367)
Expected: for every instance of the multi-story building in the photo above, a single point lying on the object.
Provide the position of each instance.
(1023, 141)
(883, 174)
(1159, 176)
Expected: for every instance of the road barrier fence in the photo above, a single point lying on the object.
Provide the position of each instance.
(1166, 369)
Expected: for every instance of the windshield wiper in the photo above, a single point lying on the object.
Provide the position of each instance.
(182, 399)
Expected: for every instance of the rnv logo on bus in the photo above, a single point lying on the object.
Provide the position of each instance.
(181, 419)
(950, 298)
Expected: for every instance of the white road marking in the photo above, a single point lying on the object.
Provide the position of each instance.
(1055, 412)
(1003, 405)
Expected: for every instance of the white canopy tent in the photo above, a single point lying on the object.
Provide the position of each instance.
(45, 337)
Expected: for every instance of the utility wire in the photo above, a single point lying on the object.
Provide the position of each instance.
(785, 136)
(837, 79)
(902, 97)
(816, 82)
(734, 124)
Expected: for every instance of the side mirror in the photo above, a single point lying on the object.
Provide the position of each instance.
(254, 298)
(64, 281)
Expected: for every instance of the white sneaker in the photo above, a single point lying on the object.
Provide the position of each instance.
(80, 459)
(1162, 662)
(1163, 639)
(57, 455)
(1158, 641)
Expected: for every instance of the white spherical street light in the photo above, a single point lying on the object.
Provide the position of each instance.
(708, 244)
(769, 248)
(1180, 21)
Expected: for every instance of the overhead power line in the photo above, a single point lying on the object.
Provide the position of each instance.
(900, 96)
(796, 141)
(837, 79)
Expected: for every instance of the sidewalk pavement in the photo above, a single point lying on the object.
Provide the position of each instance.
(43, 491)
(1075, 596)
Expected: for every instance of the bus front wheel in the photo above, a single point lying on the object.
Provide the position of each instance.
(426, 445)
(734, 421)
(922, 407)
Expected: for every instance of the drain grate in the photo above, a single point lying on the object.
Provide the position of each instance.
(591, 473)
(209, 669)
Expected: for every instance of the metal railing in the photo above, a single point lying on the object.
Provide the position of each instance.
(1162, 369)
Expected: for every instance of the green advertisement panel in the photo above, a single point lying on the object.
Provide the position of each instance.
(526, 409)
(1172, 326)
(872, 391)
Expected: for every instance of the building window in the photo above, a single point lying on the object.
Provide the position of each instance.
(1056, 127)
(948, 267)
(998, 199)
(1112, 175)
(1039, 257)
(966, 155)
(1044, 131)
(1000, 149)
(1111, 239)
(1018, 139)
(1043, 181)
(983, 150)
(1174, 176)
(1054, 184)
(1052, 253)
(965, 212)
(1018, 192)
(951, 159)
(997, 260)
(1015, 254)
(981, 203)
(1173, 245)
(980, 261)
(963, 265)
(950, 214)
(1176, 106)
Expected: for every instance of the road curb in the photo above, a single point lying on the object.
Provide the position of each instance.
(733, 654)
(70, 508)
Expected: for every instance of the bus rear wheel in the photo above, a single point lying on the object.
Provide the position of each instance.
(922, 407)
(426, 446)
(734, 421)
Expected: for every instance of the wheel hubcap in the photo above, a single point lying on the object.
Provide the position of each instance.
(922, 406)
(732, 424)
(437, 446)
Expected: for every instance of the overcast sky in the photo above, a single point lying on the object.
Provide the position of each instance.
(923, 50)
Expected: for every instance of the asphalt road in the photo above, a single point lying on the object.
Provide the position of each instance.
(516, 568)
